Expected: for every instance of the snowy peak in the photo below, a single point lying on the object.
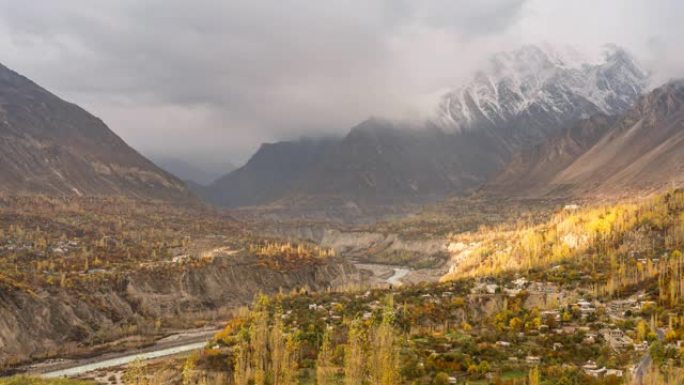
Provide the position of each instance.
(535, 90)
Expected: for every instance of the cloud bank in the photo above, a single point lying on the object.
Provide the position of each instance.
(208, 81)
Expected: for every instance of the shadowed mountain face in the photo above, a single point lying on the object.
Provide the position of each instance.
(641, 151)
(377, 163)
(51, 146)
(275, 171)
(525, 97)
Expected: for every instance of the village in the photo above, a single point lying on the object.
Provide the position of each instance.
(488, 330)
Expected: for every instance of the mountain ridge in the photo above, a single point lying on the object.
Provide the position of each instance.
(640, 151)
(52, 146)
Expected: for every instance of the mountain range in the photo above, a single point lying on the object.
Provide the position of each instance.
(54, 147)
(531, 124)
(521, 99)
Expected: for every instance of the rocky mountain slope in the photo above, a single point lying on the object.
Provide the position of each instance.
(51, 146)
(524, 97)
(642, 150)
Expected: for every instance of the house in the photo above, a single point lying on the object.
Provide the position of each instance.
(543, 288)
(551, 314)
(596, 372)
(484, 287)
(593, 370)
(511, 292)
(641, 347)
(503, 344)
(620, 307)
(180, 258)
(586, 308)
(590, 365)
(520, 283)
(589, 339)
(616, 338)
(614, 372)
(533, 360)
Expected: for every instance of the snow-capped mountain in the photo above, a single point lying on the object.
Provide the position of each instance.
(523, 98)
(531, 92)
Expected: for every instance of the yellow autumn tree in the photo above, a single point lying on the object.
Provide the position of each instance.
(325, 367)
(354, 355)
(384, 357)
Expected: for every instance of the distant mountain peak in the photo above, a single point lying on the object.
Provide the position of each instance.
(542, 84)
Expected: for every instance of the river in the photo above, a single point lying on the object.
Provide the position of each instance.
(120, 361)
(399, 273)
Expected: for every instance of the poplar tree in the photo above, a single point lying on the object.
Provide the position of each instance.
(325, 368)
(384, 358)
(353, 355)
(534, 376)
(241, 369)
(258, 335)
(277, 345)
(289, 363)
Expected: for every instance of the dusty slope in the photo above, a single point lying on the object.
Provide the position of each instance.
(532, 170)
(640, 151)
(51, 146)
(643, 151)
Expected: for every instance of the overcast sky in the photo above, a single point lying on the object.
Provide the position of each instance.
(208, 81)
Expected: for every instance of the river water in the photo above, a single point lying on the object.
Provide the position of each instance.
(120, 361)
(399, 273)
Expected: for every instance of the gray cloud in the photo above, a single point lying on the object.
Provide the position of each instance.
(208, 81)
